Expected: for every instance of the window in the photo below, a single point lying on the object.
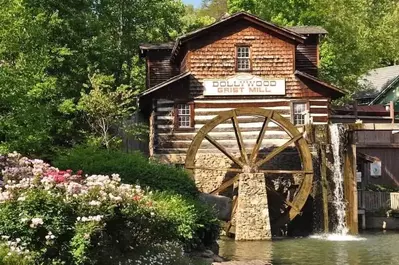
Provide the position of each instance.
(183, 116)
(243, 58)
(299, 113)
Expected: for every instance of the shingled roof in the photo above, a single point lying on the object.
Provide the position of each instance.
(308, 30)
(240, 15)
(380, 78)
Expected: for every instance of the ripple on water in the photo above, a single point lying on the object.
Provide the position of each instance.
(337, 237)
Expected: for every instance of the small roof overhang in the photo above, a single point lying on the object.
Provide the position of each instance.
(367, 158)
(308, 30)
(164, 84)
(334, 91)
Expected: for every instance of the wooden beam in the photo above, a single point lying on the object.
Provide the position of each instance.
(350, 189)
(324, 186)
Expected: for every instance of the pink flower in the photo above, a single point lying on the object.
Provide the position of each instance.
(59, 179)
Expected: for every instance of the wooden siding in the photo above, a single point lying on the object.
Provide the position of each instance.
(389, 164)
(307, 58)
(170, 140)
(159, 67)
(213, 56)
(375, 201)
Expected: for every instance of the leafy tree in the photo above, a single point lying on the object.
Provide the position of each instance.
(195, 19)
(213, 8)
(49, 47)
(106, 110)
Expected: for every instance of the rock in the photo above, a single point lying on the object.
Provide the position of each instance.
(253, 262)
(207, 254)
(217, 258)
(215, 248)
(222, 205)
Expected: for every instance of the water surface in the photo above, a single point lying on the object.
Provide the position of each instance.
(373, 248)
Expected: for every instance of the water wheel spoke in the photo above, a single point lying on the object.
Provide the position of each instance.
(240, 141)
(225, 185)
(278, 150)
(223, 150)
(258, 143)
(238, 170)
(282, 198)
(271, 171)
(233, 212)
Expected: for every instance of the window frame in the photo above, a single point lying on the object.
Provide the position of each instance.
(306, 111)
(243, 45)
(176, 116)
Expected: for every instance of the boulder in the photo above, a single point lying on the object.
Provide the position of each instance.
(222, 205)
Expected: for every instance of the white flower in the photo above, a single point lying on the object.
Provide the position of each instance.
(36, 222)
(21, 199)
(94, 203)
(115, 177)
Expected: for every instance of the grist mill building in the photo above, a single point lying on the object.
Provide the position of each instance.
(239, 62)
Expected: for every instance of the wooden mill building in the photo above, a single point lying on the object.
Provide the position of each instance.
(245, 88)
(239, 61)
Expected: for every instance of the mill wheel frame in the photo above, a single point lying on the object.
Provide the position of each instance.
(249, 163)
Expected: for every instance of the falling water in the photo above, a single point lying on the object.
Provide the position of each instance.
(340, 232)
(338, 199)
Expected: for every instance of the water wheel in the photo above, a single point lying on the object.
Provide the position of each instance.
(254, 162)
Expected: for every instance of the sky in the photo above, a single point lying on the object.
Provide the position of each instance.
(196, 3)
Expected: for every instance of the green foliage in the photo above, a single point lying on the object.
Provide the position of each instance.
(106, 110)
(9, 258)
(189, 215)
(132, 167)
(49, 48)
(213, 8)
(195, 19)
(56, 217)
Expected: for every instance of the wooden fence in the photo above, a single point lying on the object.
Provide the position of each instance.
(373, 200)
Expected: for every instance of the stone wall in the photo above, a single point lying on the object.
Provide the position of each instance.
(252, 216)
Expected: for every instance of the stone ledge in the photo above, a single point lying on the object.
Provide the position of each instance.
(253, 262)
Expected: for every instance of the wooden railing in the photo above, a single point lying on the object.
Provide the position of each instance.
(374, 200)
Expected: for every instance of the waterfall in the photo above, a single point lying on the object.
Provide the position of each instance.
(338, 179)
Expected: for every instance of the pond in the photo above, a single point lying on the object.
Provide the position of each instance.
(370, 248)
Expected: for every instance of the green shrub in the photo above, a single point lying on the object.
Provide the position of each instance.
(56, 217)
(132, 167)
(189, 215)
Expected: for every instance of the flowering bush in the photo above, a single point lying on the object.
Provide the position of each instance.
(60, 217)
(133, 168)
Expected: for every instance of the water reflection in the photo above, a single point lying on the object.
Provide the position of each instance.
(378, 248)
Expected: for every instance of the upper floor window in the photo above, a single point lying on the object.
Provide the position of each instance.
(299, 113)
(183, 116)
(243, 60)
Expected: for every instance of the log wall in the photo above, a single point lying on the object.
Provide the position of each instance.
(172, 141)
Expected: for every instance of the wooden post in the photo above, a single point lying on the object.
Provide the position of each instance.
(152, 130)
(392, 111)
(350, 189)
(355, 110)
(324, 187)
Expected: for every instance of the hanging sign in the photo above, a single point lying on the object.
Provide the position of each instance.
(359, 176)
(375, 169)
(244, 84)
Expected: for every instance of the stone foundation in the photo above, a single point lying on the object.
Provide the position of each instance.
(252, 216)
